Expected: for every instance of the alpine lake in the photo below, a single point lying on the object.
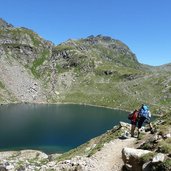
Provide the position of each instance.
(53, 128)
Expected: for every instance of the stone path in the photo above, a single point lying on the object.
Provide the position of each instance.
(110, 156)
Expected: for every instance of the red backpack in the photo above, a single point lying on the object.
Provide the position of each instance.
(133, 114)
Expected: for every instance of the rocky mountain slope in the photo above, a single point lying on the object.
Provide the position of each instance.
(97, 70)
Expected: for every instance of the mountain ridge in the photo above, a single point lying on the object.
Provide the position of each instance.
(78, 71)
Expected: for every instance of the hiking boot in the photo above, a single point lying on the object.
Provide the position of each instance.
(147, 129)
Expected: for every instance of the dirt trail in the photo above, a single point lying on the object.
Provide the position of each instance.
(110, 156)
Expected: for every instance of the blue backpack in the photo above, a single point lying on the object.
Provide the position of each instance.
(144, 111)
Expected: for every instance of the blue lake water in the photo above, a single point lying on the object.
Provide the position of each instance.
(53, 128)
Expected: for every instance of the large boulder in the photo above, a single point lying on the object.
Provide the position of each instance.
(156, 164)
(131, 158)
(32, 154)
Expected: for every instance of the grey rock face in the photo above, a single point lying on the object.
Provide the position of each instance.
(20, 82)
(4, 24)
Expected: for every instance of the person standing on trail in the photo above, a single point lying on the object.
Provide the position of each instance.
(144, 116)
(133, 117)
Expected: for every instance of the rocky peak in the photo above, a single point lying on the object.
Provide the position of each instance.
(106, 41)
(98, 39)
(4, 24)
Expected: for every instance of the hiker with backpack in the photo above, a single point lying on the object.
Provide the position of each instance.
(144, 116)
(133, 117)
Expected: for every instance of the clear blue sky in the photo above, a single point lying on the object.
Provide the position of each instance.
(144, 25)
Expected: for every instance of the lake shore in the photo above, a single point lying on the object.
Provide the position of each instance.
(70, 103)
